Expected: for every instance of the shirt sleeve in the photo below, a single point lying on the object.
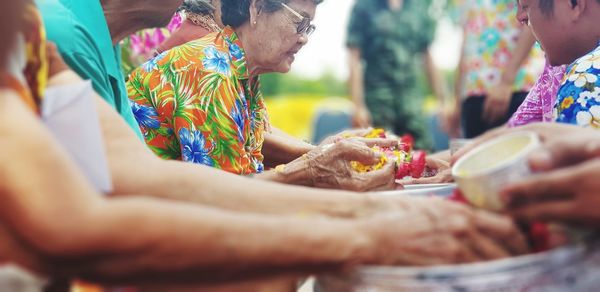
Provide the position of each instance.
(356, 27)
(427, 26)
(578, 100)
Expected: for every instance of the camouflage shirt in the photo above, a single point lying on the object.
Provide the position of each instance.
(391, 44)
(390, 41)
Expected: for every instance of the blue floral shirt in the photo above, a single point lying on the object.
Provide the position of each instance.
(578, 101)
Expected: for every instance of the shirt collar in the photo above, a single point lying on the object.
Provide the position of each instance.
(236, 52)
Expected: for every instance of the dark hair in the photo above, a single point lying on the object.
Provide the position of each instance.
(201, 7)
(547, 6)
(237, 12)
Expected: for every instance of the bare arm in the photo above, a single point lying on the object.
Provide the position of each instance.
(136, 170)
(362, 117)
(50, 208)
(435, 79)
(524, 45)
(356, 77)
(460, 77)
(498, 97)
(67, 229)
(281, 148)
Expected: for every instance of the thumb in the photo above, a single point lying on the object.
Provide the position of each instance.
(562, 152)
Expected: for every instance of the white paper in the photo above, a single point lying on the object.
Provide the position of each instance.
(70, 114)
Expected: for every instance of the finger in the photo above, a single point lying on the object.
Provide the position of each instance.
(560, 152)
(381, 179)
(485, 247)
(424, 180)
(380, 142)
(357, 132)
(444, 176)
(542, 187)
(502, 229)
(437, 163)
(469, 253)
(563, 211)
(352, 150)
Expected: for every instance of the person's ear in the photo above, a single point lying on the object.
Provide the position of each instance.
(577, 8)
(255, 11)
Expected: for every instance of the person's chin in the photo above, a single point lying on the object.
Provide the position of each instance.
(285, 67)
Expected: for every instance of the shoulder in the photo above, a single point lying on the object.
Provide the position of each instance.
(584, 73)
(63, 28)
(579, 95)
(206, 56)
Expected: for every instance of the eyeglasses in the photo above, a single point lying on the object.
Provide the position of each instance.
(304, 27)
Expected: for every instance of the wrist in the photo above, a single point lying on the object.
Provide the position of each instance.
(363, 246)
(507, 79)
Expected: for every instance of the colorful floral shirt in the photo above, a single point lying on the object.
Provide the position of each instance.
(578, 99)
(491, 32)
(27, 69)
(197, 103)
(539, 104)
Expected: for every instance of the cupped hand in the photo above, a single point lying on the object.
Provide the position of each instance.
(329, 166)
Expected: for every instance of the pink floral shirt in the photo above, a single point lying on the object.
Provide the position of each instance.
(539, 104)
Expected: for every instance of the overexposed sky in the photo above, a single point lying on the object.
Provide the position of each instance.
(326, 50)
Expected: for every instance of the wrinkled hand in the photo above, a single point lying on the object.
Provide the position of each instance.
(359, 135)
(568, 190)
(497, 103)
(361, 118)
(436, 232)
(329, 167)
(443, 173)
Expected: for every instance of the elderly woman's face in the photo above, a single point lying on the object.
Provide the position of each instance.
(278, 37)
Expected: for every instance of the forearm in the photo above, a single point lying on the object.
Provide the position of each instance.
(435, 79)
(135, 170)
(521, 52)
(459, 81)
(280, 148)
(293, 173)
(191, 244)
(356, 78)
(49, 207)
(202, 185)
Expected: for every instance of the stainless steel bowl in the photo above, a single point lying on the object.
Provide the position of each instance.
(572, 268)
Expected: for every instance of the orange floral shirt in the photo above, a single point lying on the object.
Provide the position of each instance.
(197, 103)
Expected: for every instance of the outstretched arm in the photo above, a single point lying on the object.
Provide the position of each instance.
(62, 223)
